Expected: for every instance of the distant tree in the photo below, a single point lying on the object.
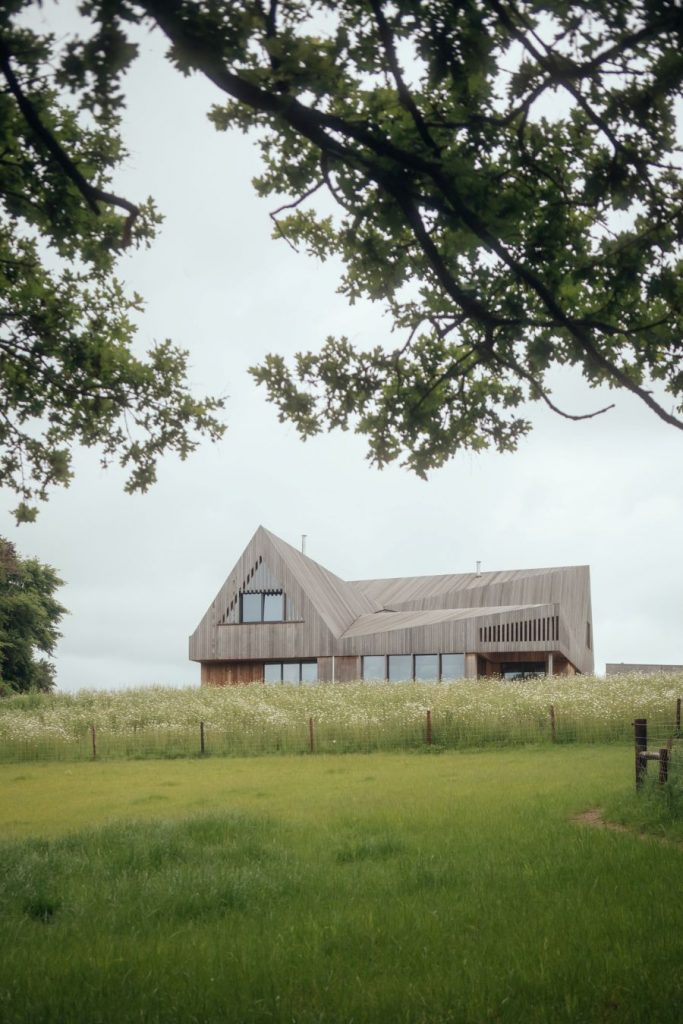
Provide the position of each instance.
(503, 175)
(29, 621)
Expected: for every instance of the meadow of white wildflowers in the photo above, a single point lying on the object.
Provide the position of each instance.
(355, 716)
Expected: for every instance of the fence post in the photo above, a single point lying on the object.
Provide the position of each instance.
(429, 727)
(663, 765)
(311, 738)
(678, 716)
(640, 733)
(553, 724)
(201, 738)
(93, 735)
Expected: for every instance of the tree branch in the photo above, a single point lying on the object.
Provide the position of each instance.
(90, 193)
(292, 206)
(321, 129)
(404, 95)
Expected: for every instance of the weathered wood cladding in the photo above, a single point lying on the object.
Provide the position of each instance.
(327, 605)
(534, 590)
(349, 669)
(231, 673)
(414, 615)
(344, 669)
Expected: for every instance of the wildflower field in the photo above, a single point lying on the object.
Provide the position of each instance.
(355, 717)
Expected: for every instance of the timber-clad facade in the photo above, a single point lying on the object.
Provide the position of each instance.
(282, 617)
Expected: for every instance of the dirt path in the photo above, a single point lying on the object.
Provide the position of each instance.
(596, 819)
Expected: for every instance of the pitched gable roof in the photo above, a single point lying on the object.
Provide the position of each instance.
(327, 604)
(336, 601)
(325, 615)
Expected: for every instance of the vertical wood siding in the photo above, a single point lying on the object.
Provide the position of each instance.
(531, 612)
(346, 669)
(231, 673)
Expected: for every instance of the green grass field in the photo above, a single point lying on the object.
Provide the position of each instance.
(432, 888)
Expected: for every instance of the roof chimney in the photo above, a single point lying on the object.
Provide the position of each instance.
(478, 568)
(303, 543)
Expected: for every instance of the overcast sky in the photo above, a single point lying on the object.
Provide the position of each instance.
(141, 570)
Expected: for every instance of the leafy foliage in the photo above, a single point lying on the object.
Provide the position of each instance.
(67, 371)
(503, 176)
(29, 620)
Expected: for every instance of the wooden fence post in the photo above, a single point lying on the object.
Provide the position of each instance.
(311, 738)
(663, 765)
(640, 733)
(429, 727)
(202, 746)
(93, 735)
(553, 724)
(678, 717)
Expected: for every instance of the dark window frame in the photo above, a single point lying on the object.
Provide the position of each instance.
(262, 594)
(291, 682)
(373, 679)
(438, 668)
(451, 654)
(440, 655)
(404, 679)
(531, 669)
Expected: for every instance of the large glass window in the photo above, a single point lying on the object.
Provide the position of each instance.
(309, 671)
(452, 666)
(259, 606)
(427, 668)
(273, 607)
(290, 672)
(400, 668)
(252, 608)
(522, 669)
(374, 667)
(272, 673)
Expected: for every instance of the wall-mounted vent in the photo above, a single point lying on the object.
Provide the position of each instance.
(522, 631)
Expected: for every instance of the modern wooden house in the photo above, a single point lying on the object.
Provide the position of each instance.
(281, 617)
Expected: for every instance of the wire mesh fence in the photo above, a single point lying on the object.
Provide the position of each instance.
(658, 752)
(422, 729)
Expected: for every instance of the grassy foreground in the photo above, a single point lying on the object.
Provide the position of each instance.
(397, 888)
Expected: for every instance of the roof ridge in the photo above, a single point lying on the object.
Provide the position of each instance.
(334, 599)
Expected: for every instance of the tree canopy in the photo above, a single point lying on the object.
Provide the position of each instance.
(68, 374)
(503, 175)
(29, 621)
